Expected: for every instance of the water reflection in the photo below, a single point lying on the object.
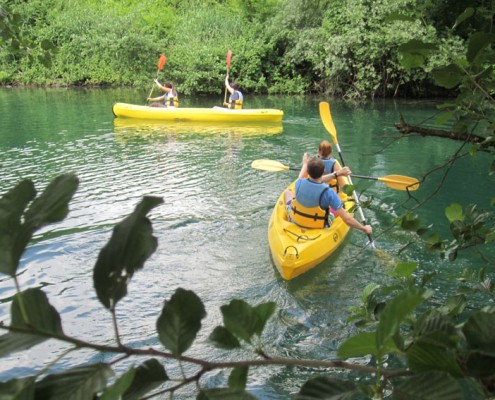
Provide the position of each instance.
(124, 126)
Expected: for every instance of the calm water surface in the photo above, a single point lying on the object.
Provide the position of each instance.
(212, 226)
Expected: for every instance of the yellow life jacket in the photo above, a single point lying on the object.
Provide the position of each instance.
(308, 217)
(172, 101)
(235, 104)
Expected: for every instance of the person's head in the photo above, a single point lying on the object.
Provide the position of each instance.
(235, 86)
(168, 85)
(316, 167)
(325, 149)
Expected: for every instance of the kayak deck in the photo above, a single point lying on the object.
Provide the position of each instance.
(214, 114)
(296, 250)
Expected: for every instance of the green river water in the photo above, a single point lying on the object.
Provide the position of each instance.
(212, 227)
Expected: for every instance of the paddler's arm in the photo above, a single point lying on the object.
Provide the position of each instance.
(352, 222)
(336, 174)
(303, 173)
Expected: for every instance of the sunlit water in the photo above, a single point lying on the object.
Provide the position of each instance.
(212, 226)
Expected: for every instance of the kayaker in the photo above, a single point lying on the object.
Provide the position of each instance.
(169, 99)
(325, 153)
(236, 97)
(311, 204)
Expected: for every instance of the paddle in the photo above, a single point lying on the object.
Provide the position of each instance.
(229, 57)
(326, 118)
(161, 63)
(397, 182)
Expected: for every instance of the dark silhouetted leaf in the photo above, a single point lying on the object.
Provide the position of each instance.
(477, 42)
(147, 377)
(131, 244)
(424, 357)
(79, 383)
(329, 388)
(17, 389)
(448, 77)
(13, 238)
(479, 329)
(429, 386)
(238, 378)
(224, 339)
(180, 321)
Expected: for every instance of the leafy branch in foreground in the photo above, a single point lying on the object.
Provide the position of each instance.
(439, 352)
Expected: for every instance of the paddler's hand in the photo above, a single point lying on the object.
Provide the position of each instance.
(368, 229)
(305, 158)
(344, 171)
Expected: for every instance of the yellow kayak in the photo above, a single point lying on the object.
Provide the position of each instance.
(296, 250)
(214, 114)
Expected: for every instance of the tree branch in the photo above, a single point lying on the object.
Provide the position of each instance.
(406, 129)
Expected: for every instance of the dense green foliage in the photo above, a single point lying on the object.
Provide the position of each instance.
(348, 48)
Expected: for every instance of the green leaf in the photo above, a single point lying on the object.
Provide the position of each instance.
(122, 383)
(53, 204)
(414, 53)
(224, 339)
(13, 342)
(396, 311)
(480, 365)
(359, 345)
(429, 386)
(328, 388)
(404, 269)
(180, 321)
(147, 377)
(264, 311)
(17, 389)
(477, 42)
(241, 319)
(468, 13)
(424, 357)
(131, 244)
(454, 212)
(13, 236)
(30, 310)
(448, 77)
(478, 331)
(238, 378)
(79, 383)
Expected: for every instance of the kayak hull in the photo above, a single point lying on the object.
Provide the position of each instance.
(214, 114)
(296, 250)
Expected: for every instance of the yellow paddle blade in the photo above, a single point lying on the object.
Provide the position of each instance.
(326, 118)
(269, 165)
(400, 182)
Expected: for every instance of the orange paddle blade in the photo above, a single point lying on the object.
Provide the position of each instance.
(229, 57)
(161, 61)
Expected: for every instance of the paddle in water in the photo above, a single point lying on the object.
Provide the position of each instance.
(161, 63)
(397, 182)
(326, 118)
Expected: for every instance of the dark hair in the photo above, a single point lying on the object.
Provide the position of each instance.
(236, 86)
(168, 85)
(316, 167)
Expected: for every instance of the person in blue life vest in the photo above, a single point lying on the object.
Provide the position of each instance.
(169, 99)
(310, 205)
(331, 164)
(236, 98)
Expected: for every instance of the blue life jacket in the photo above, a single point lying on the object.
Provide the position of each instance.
(329, 163)
(306, 210)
